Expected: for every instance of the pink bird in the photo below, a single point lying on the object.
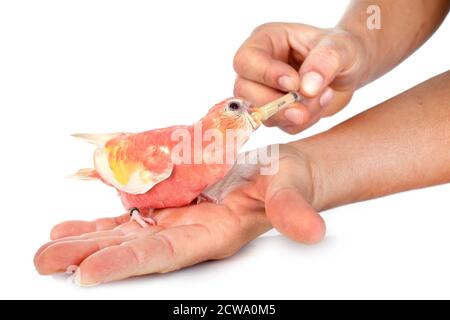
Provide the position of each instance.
(171, 167)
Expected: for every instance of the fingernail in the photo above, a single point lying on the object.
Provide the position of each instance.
(312, 82)
(286, 83)
(326, 97)
(77, 277)
(294, 115)
(77, 280)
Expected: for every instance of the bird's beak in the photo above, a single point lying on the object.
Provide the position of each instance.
(249, 116)
(262, 113)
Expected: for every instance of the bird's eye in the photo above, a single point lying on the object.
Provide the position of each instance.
(234, 106)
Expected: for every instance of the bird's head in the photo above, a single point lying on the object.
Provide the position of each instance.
(232, 114)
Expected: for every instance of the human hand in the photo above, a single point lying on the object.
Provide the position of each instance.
(116, 248)
(324, 65)
(111, 249)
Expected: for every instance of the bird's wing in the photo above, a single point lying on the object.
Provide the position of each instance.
(131, 166)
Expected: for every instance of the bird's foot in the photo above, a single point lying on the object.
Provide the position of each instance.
(144, 222)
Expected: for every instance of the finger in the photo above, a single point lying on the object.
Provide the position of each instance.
(87, 236)
(294, 129)
(257, 64)
(123, 229)
(310, 113)
(337, 101)
(329, 103)
(165, 251)
(77, 227)
(255, 93)
(57, 256)
(323, 63)
(287, 209)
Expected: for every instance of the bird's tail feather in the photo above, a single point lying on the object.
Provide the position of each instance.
(85, 174)
(97, 139)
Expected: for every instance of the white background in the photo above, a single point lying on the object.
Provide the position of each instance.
(102, 66)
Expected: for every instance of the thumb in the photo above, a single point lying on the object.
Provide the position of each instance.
(290, 213)
(321, 66)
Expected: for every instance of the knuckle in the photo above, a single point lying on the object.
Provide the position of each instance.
(244, 60)
(330, 56)
(239, 60)
(238, 89)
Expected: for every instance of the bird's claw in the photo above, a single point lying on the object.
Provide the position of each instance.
(144, 222)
